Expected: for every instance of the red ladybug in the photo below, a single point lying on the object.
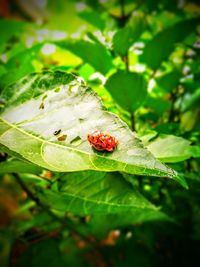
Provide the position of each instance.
(102, 142)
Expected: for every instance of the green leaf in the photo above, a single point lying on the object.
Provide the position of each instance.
(128, 89)
(159, 48)
(190, 101)
(8, 28)
(157, 104)
(39, 220)
(194, 151)
(93, 53)
(101, 224)
(170, 148)
(93, 192)
(93, 18)
(43, 253)
(181, 179)
(41, 104)
(169, 81)
(19, 65)
(124, 38)
(15, 165)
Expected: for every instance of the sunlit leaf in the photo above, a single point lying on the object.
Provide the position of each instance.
(190, 101)
(170, 148)
(19, 65)
(95, 54)
(93, 18)
(42, 104)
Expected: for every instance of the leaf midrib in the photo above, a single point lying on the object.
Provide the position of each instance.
(107, 203)
(70, 148)
(53, 143)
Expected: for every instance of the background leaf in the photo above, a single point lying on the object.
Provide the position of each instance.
(95, 193)
(93, 53)
(93, 18)
(45, 253)
(15, 165)
(169, 81)
(170, 148)
(162, 44)
(125, 37)
(127, 89)
(9, 28)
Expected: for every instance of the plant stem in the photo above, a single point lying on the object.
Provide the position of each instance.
(67, 222)
(122, 9)
(172, 112)
(122, 20)
(64, 222)
(132, 120)
(125, 58)
(126, 61)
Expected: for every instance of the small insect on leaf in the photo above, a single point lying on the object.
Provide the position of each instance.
(102, 142)
(76, 141)
(57, 132)
(62, 137)
(44, 97)
(41, 106)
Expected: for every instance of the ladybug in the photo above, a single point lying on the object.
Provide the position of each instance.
(102, 142)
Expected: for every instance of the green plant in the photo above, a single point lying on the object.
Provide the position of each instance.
(126, 68)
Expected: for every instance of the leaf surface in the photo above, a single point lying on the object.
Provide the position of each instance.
(93, 53)
(47, 118)
(15, 165)
(170, 148)
(93, 192)
(162, 44)
(9, 28)
(125, 37)
(128, 89)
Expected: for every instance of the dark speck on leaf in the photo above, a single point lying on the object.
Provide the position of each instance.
(17, 64)
(44, 97)
(76, 141)
(62, 137)
(41, 106)
(57, 132)
(57, 90)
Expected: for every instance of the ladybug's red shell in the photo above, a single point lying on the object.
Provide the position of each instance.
(102, 142)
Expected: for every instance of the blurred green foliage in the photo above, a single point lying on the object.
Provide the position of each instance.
(142, 58)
